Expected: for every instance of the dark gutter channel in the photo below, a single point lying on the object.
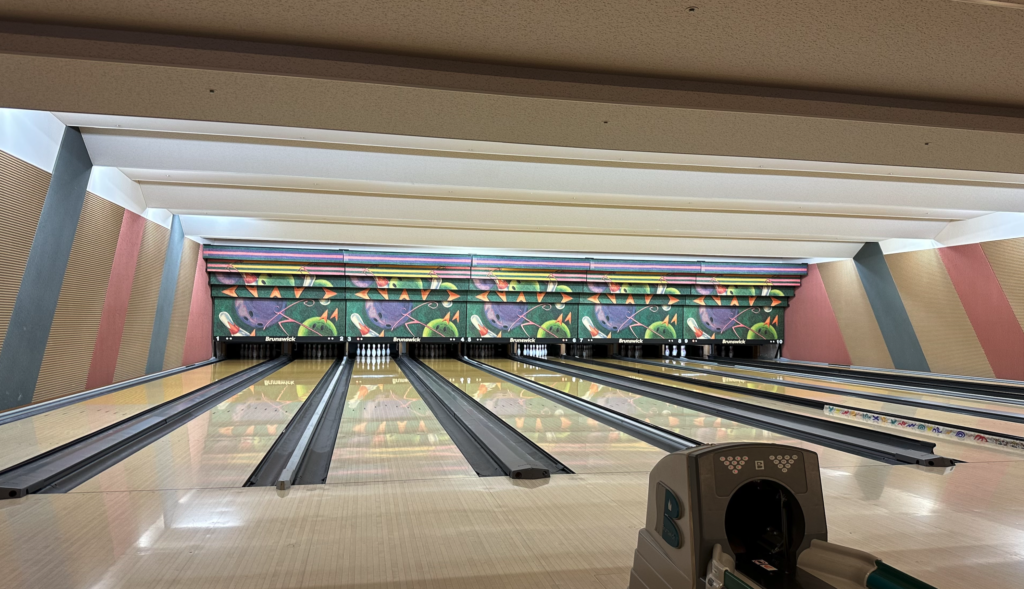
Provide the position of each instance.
(514, 455)
(978, 390)
(270, 467)
(881, 446)
(30, 410)
(782, 397)
(316, 461)
(654, 435)
(65, 467)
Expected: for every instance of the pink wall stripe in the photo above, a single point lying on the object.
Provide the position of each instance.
(115, 305)
(987, 308)
(199, 335)
(812, 332)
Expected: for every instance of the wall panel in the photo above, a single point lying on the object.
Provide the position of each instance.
(939, 319)
(812, 332)
(987, 308)
(69, 349)
(182, 305)
(22, 193)
(1007, 260)
(853, 312)
(199, 336)
(138, 325)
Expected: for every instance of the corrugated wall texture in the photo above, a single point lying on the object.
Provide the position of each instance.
(69, 349)
(182, 305)
(990, 313)
(812, 332)
(853, 312)
(22, 193)
(199, 337)
(1007, 260)
(942, 326)
(138, 324)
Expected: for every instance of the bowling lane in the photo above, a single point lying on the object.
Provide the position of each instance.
(221, 447)
(584, 445)
(388, 433)
(693, 424)
(894, 407)
(876, 389)
(962, 450)
(25, 438)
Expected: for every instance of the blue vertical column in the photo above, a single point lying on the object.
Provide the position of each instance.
(34, 308)
(887, 305)
(165, 300)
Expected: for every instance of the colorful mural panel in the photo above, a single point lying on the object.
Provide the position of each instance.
(632, 322)
(248, 317)
(405, 319)
(521, 320)
(734, 324)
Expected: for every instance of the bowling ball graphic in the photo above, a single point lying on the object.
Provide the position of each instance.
(405, 283)
(362, 281)
(505, 317)
(628, 288)
(741, 291)
(597, 287)
(485, 284)
(275, 280)
(776, 293)
(448, 286)
(719, 319)
(660, 330)
(317, 326)
(614, 317)
(259, 313)
(524, 286)
(388, 314)
(762, 331)
(705, 290)
(223, 278)
(440, 328)
(553, 328)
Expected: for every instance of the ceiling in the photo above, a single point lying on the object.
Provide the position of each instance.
(790, 130)
(232, 182)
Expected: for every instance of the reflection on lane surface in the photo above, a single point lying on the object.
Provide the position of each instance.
(693, 424)
(966, 449)
(581, 443)
(388, 433)
(25, 438)
(879, 390)
(221, 447)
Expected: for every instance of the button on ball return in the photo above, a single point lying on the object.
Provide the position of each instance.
(747, 516)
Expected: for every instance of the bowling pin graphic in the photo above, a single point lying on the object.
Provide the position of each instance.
(594, 332)
(480, 327)
(232, 328)
(363, 329)
(692, 324)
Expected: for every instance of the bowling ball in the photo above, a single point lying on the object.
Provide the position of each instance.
(776, 293)
(362, 281)
(275, 280)
(524, 286)
(762, 331)
(718, 319)
(741, 291)
(448, 286)
(660, 330)
(388, 314)
(614, 317)
(317, 326)
(597, 287)
(505, 317)
(406, 283)
(226, 278)
(630, 288)
(705, 289)
(552, 329)
(485, 284)
(440, 328)
(259, 313)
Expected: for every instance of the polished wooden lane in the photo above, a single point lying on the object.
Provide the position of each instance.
(965, 450)
(783, 378)
(221, 447)
(693, 424)
(963, 529)
(388, 433)
(25, 438)
(582, 444)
